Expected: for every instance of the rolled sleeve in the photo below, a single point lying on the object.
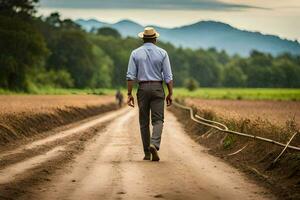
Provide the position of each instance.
(132, 69)
(167, 72)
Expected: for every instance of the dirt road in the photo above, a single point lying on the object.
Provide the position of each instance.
(109, 166)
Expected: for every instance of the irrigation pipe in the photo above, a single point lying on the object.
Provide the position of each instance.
(285, 148)
(230, 131)
(238, 151)
(212, 122)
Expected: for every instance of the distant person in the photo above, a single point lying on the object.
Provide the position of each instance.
(149, 65)
(119, 98)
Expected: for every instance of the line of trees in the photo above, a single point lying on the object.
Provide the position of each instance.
(51, 52)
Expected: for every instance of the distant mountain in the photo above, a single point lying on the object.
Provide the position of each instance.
(91, 23)
(206, 34)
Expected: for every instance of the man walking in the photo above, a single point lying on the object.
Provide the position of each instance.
(149, 65)
(119, 98)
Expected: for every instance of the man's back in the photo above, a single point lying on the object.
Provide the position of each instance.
(149, 62)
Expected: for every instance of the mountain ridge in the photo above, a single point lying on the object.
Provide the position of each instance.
(207, 34)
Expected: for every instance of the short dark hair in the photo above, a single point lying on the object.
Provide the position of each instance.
(148, 40)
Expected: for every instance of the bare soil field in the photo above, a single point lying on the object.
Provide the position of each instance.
(20, 104)
(277, 112)
(22, 116)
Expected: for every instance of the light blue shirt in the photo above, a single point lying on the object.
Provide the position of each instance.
(149, 63)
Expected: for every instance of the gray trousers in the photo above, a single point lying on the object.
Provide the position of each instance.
(151, 98)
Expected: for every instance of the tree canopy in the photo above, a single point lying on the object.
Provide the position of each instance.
(107, 31)
(50, 51)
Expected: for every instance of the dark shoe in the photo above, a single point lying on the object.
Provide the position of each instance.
(153, 150)
(147, 156)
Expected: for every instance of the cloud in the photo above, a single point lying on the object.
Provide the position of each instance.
(145, 4)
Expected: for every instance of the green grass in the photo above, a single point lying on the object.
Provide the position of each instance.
(240, 93)
(204, 93)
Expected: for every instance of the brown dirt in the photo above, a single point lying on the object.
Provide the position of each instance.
(20, 187)
(277, 112)
(256, 158)
(23, 116)
(35, 104)
(108, 165)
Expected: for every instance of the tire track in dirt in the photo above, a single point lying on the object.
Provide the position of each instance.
(8, 174)
(21, 186)
(40, 146)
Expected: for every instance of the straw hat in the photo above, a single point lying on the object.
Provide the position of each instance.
(149, 32)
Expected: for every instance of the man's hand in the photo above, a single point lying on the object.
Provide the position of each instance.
(130, 100)
(170, 89)
(169, 99)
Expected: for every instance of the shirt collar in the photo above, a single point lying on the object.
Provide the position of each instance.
(148, 44)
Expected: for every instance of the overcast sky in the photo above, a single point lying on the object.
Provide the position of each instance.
(267, 16)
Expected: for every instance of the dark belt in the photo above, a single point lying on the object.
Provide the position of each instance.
(145, 82)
